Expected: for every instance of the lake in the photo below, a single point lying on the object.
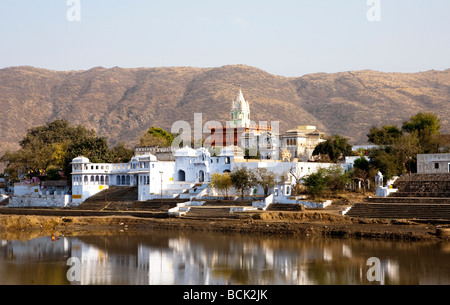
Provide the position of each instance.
(160, 258)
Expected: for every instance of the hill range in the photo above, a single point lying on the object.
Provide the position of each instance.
(121, 104)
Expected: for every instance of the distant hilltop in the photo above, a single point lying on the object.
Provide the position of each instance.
(121, 104)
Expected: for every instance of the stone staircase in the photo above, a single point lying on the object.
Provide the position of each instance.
(419, 196)
(114, 194)
(423, 185)
(401, 211)
(209, 212)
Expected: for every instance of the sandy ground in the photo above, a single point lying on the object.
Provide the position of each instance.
(306, 223)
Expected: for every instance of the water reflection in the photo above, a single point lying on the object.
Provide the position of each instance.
(182, 259)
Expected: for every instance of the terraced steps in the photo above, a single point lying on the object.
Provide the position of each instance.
(401, 211)
(416, 200)
(423, 185)
(209, 212)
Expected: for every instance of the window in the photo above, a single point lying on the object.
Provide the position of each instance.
(436, 165)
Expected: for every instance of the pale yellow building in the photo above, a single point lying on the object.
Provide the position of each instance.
(301, 141)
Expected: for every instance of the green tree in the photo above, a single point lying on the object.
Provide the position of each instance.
(335, 147)
(422, 122)
(94, 148)
(398, 155)
(44, 148)
(242, 179)
(386, 161)
(120, 153)
(156, 136)
(337, 179)
(316, 183)
(386, 135)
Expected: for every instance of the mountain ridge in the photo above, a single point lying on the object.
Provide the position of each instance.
(122, 103)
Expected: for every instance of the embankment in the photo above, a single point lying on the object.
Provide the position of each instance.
(269, 223)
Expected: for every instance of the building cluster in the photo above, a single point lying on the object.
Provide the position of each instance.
(238, 142)
(170, 172)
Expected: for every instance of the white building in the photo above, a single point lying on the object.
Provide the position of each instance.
(191, 169)
(433, 163)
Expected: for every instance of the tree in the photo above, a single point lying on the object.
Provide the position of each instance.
(316, 183)
(386, 135)
(398, 155)
(421, 122)
(361, 163)
(338, 179)
(265, 179)
(44, 148)
(156, 136)
(94, 148)
(120, 153)
(242, 179)
(298, 179)
(406, 150)
(150, 140)
(335, 147)
(221, 182)
(362, 176)
(386, 161)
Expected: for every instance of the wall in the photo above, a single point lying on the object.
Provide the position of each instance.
(82, 192)
(433, 163)
(34, 200)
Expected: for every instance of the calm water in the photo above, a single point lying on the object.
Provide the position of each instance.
(184, 259)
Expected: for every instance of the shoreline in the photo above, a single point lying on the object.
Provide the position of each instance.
(304, 224)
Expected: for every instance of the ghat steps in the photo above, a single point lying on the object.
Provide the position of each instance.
(419, 196)
(401, 211)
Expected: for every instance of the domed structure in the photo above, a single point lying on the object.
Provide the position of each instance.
(240, 111)
(80, 159)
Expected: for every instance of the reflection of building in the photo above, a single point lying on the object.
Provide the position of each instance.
(204, 259)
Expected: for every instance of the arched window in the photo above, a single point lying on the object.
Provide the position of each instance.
(117, 180)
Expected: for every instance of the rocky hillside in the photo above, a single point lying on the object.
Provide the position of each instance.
(122, 103)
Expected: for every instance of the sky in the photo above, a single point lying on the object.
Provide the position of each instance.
(284, 37)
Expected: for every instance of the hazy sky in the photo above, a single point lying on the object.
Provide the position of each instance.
(284, 37)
